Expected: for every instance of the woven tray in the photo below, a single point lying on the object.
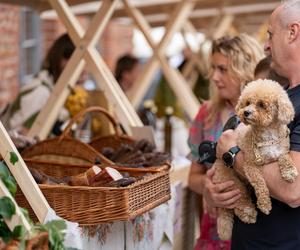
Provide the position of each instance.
(95, 205)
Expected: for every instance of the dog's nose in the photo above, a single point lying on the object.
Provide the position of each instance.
(247, 113)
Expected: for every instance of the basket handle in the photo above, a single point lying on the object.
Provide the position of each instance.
(78, 116)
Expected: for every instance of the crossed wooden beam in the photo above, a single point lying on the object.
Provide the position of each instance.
(174, 78)
(85, 53)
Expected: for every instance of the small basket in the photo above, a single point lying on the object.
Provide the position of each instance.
(95, 205)
(113, 141)
(65, 150)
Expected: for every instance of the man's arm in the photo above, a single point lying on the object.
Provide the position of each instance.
(284, 191)
(280, 189)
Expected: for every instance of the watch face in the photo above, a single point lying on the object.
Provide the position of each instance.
(228, 159)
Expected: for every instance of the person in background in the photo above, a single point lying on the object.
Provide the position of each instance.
(281, 228)
(233, 60)
(34, 95)
(126, 71)
(263, 71)
(165, 96)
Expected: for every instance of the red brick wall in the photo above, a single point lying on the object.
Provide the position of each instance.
(51, 29)
(115, 42)
(9, 52)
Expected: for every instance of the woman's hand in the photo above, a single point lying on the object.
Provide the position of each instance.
(217, 195)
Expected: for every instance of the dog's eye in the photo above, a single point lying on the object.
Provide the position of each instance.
(247, 103)
(261, 104)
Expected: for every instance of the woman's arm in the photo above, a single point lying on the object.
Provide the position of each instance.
(196, 176)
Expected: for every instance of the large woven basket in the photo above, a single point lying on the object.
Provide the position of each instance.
(95, 205)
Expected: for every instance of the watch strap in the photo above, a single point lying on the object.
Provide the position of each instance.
(234, 150)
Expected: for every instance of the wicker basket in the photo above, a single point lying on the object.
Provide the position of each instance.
(99, 142)
(115, 140)
(65, 150)
(95, 205)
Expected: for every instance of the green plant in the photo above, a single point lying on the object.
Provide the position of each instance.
(55, 229)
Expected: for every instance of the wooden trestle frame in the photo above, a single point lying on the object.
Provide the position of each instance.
(86, 52)
(176, 81)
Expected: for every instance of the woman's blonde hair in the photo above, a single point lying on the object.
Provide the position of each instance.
(243, 53)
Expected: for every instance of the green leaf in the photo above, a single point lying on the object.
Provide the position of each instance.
(7, 207)
(26, 215)
(5, 232)
(4, 172)
(13, 158)
(19, 232)
(8, 179)
(11, 185)
(56, 231)
(56, 224)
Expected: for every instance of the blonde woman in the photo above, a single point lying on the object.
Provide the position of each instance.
(233, 60)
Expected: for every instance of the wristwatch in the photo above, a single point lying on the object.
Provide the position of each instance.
(229, 157)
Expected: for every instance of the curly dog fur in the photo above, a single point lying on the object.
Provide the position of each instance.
(265, 109)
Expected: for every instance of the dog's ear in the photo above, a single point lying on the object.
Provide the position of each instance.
(286, 111)
(239, 105)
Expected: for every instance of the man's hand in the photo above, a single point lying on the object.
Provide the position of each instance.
(227, 140)
(217, 195)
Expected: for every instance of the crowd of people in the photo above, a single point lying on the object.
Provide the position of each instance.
(280, 229)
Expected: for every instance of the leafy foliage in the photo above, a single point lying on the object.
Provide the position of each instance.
(7, 208)
(7, 179)
(56, 229)
(56, 233)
